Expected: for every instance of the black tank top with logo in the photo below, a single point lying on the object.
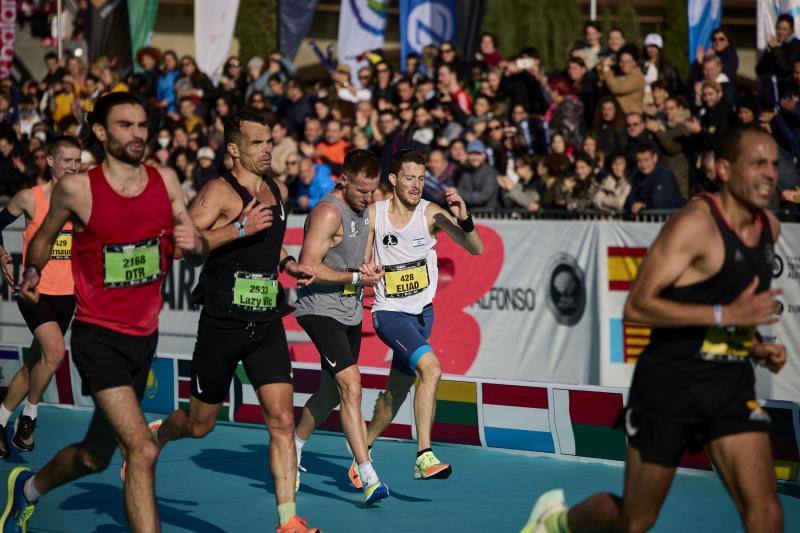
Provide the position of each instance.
(239, 280)
(685, 367)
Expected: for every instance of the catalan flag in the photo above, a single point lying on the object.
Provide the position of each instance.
(783, 438)
(516, 417)
(306, 383)
(623, 264)
(628, 340)
(585, 423)
(456, 417)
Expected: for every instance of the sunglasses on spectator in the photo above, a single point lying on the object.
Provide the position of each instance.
(719, 39)
(633, 124)
(364, 77)
(234, 65)
(446, 50)
(379, 70)
(495, 128)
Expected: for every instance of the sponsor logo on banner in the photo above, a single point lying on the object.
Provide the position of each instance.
(8, 13)
(566, 289)
(777, 266)
(508, 299)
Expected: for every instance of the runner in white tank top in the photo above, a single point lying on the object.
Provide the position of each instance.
(402, 233)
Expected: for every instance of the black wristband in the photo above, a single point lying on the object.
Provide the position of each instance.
(282, 265)
(466, 225)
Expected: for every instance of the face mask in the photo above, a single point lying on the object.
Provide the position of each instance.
(163, 141)
(42, 136)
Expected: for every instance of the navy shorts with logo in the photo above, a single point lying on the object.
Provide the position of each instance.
(406, 334)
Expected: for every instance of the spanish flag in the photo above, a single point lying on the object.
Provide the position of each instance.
(623, 264)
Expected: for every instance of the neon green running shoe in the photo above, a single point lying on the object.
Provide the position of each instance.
(547, 506)
(18, 509)
(429, 467)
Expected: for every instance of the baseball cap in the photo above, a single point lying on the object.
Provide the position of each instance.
(205, 152)
(654, 39)
(476, 146)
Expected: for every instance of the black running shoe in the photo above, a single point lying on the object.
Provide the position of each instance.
(23, 433)
(5, 452)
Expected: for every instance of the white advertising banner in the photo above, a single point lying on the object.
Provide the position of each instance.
(543, 303)
(214, 22)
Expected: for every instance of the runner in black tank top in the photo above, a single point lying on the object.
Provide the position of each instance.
(704, 287)
(243, 217)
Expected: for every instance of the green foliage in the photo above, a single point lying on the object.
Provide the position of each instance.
(627, 22)
(257, 28)
(607, 17)
(675, 32)
(550, 26)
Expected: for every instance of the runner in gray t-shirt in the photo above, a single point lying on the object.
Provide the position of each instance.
(330, 310)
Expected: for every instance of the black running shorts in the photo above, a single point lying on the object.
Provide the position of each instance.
(337, 343)
(58, 309)
(221, 344)
(663, 440)
(106, 358)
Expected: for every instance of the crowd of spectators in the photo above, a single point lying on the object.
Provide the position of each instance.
(615, 130)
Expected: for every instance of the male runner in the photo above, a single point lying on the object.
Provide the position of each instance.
(403, 230)
(330, 311)
(704, 286)
(126, 217)
(49, 318)
(242, 215)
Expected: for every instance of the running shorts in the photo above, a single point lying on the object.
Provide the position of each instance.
(337, 343)
(406, 334)
(58, 309)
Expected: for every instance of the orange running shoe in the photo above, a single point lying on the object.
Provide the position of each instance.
(429, 467)
(153, 427)
(296, 525)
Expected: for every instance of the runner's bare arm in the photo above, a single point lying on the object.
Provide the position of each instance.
(189, 244)
(209, 211)
(323, 222)
(22, 202)
(675, 249)
(368, 253)
(439, 219)
(64, 202)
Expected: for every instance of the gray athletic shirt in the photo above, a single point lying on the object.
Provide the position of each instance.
(340, 302)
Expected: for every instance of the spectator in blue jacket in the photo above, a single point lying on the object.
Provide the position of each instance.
(654, 185)
(315, 181)
(165, 87)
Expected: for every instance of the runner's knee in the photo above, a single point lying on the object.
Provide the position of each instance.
(429, 368)
(350, 391)
(200, 428)
(640, 523)
(92, 461)
(280, 423)
(53, 355)
(766, 511)
(143, 454)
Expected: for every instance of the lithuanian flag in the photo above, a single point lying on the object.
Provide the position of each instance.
(456, 417)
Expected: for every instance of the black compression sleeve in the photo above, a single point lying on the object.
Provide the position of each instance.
(6, 218)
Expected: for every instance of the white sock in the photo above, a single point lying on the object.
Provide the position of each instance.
(5, 414)
(367, 474)
(30, 409)
(29, 489)
(299, 443)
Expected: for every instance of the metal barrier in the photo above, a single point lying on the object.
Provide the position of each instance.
(645, 215)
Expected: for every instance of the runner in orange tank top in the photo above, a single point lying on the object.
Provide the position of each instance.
(49, 318)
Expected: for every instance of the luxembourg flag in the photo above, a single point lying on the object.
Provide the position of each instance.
(704, 17)
(516, 417)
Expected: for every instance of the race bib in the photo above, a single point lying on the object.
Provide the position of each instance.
(352, 290)
(406, 279)
(62, 246)
(130, 265)
(727, 345)
(255, 292)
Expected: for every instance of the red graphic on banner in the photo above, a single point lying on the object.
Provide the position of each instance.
(463, 279)
(8, 15)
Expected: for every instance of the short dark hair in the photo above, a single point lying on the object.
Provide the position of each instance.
(785, 18)
(62, 141)
(104, 105)
(233, 127)
(592, 24)
(730, 145)
(359, 161)
(402, 157)
(646, 147)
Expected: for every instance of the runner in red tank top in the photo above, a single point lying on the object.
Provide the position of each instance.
(49, 318)
(128, 220)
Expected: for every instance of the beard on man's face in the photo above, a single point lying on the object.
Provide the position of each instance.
(130, 153)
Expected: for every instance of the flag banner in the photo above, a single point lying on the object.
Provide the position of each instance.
(425, 22)
(767, 15)
(456, 418)
(362, 25)
(214, 22)
(8, 33)
(516, 417)
(159, 394)
(295, 19)
(704, 17)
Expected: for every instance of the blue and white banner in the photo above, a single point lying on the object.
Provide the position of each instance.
(767, 16)
(424, 22)
(362, 25)
(704, 17)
